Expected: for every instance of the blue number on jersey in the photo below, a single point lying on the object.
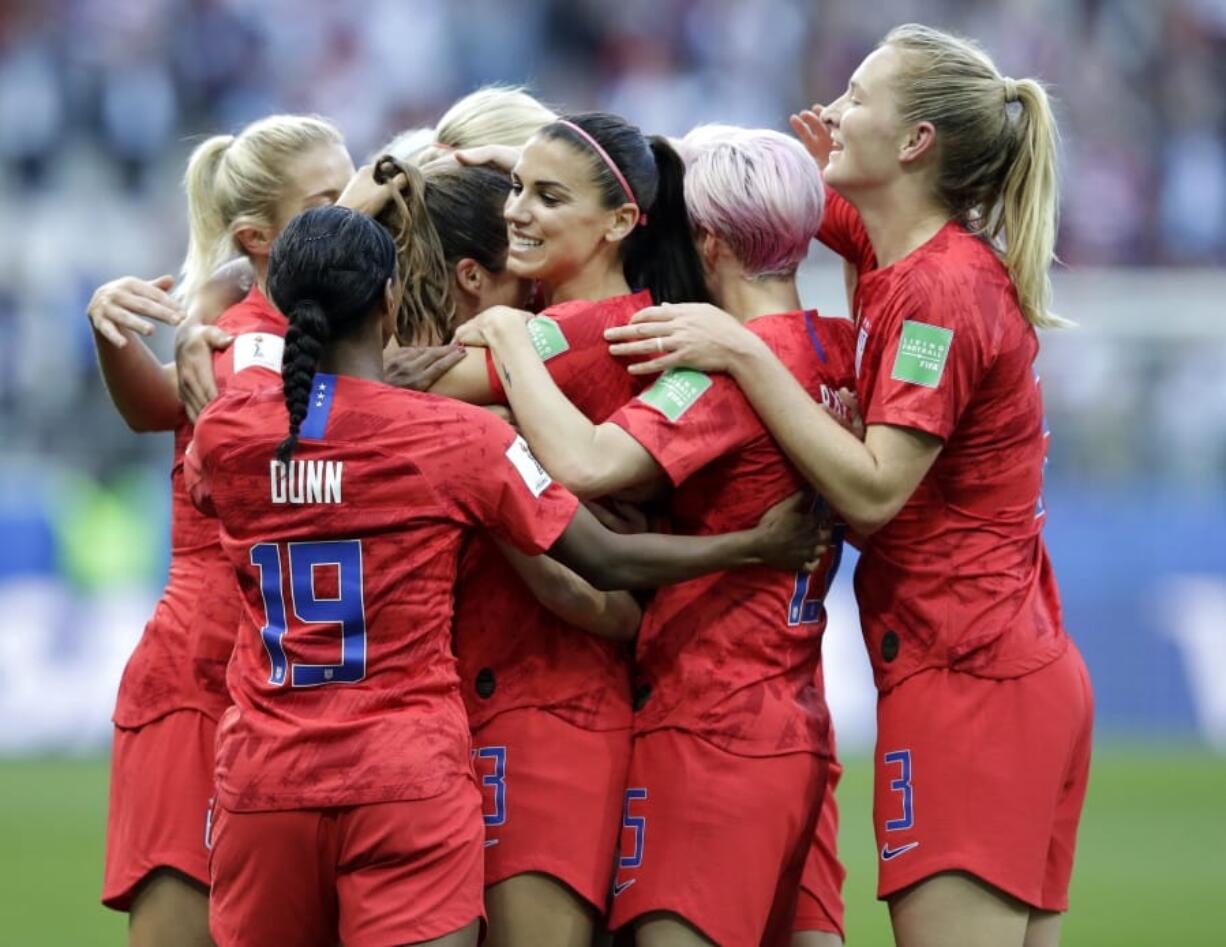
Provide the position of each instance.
(808, 602)
(901, 785)
(497, 780)
(346, 609)
(636, 824)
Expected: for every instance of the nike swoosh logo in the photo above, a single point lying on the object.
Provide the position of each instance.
(492, 841)
(622, 886)
(887, 853)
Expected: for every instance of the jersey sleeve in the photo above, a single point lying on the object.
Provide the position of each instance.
(933, 356)
(688, 419)
(253, 359)
(196, 479)
(491, 370)
(843, 232)
(570, 341)
(496, 482)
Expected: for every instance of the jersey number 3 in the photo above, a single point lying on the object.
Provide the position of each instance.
(346, 608)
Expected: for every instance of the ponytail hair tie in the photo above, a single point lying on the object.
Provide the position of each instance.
(1010, 89)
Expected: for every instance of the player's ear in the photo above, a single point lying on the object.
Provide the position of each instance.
(708, 249)
(469, 277)
(622, 221)
(255, 241)
(392, 292)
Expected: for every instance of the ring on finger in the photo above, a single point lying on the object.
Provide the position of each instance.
(660, 343)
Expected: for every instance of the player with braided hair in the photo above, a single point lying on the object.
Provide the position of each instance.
(241, 189)
(346, 806)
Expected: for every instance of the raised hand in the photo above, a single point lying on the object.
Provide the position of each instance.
(129, 303)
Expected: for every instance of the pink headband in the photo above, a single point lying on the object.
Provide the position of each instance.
(609, 163)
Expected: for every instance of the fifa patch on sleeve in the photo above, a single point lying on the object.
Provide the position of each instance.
(922, 352)
(676, 391)
(535, 477)
(258, 350)
(547, 337)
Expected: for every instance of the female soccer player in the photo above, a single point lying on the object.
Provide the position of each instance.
(944, 175)
(725, 782)
(546, 705)
(551, 711)
(346, 806)
(492, 115)
(241, 190)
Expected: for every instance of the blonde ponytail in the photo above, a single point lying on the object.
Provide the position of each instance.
(997, 142)
(208, 240)
(1028, 217)
(427, 306)
(236, 181)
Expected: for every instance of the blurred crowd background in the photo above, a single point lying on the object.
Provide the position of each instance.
(102, 100)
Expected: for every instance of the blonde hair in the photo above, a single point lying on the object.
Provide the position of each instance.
(996, 160)
(493, 115)
(235, 181)
(407, 144)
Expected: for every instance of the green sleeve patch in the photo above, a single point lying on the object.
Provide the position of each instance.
(922, 352)
(676, 391)
(547, 337)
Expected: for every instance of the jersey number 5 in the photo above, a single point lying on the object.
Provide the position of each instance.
(346, 609)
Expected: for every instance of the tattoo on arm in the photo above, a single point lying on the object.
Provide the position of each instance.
(506, 373)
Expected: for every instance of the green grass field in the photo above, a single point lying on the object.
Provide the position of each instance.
(1151, 861)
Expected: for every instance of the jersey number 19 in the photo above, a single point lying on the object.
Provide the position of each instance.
(346, 608)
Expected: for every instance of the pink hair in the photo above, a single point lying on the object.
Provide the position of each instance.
(756, 189)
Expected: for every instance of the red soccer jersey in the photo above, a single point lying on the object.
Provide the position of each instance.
(180, 660)
(732, 657)
(343, 679)
(513, 652)
(960, 577)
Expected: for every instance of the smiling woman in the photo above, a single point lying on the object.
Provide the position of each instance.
(943, 197)
(597, 208)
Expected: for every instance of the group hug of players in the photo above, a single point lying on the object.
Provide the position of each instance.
(429, 709)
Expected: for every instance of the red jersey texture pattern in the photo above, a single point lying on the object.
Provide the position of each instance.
(181, 658)
(732, 657)
(343, 678)
(960, 578)
(513, 652)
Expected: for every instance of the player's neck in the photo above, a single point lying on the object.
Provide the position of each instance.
(355, 357)
(260, 265)
(899, 220)
(746, 299)
(593, 283)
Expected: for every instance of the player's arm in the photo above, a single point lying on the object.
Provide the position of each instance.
(464, 376)
(121, 312)
(788, 537)
(866, 481)
(591, 460)
(197, 338)
(614, 615)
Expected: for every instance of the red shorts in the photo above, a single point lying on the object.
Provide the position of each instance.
(984, 776)
(819, 906)
(161, 782)
(368, 875)
(552, 796)
(717, 838)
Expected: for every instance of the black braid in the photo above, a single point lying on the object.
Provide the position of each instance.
(305, 339)
(327, 273)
